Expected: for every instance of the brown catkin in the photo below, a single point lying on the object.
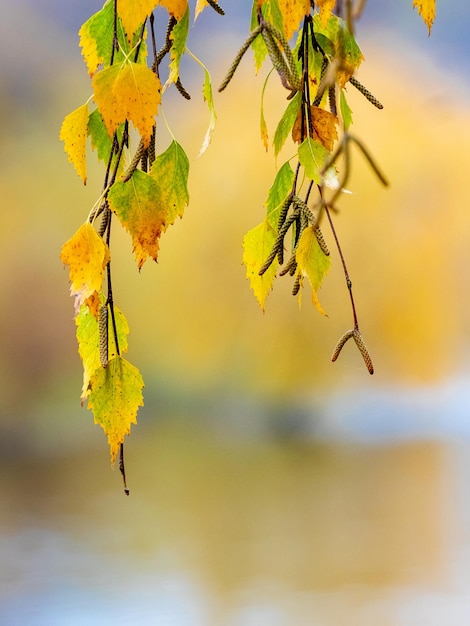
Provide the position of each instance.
(321, 241)
(296, 287)
(340, 344)
(103, 334)
(364, 351)
(216, 7)
(238, 58)
(366, 93)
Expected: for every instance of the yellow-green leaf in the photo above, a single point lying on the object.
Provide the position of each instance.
(178, 37)
(312, 156)
(96, 37)
(312, 262)
(325, 7)
(73, 133)
(257, 244)
(87, 255)
(427, 10)
(128, 91)
(97, 40)
(88, 341)
(171, 169)
(209, 99)
(115, 395)
(139, 205)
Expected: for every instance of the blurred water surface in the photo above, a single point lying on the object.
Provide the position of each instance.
(222, 532)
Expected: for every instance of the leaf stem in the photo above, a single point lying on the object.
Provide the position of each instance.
(343, 263)
(122, 469)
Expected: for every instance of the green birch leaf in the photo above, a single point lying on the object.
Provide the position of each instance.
(171, 169)
(96, 37)
(179, 35)
(100, 139)
(273, 14)
(73, 133)
(346, 112)
(115, 396)
(286, 122)
(257, 244)
(312, 263)
(138, 203)
(96, 40)
(280, 189)
(312, 156)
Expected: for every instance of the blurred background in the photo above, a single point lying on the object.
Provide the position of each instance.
(268, 485)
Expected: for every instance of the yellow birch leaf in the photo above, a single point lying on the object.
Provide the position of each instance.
(312, 263)
(326, 7)
(128, 92)
(133, 14)
(73, 133)
(139, 205)
(115, 397)
(176, 8)
(427, 10)
(292, 13)
(257, 244)
(87, 255)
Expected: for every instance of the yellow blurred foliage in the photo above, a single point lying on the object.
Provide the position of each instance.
(193, 317)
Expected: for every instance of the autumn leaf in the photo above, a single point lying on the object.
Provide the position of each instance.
(88, 341)
(133, 13)
(325, 7)
(128, 91)
(115, 395)
(73, 133)
(293, 11)
(312, 263)
(176, 8)
(263, 129)
(312, 156)
(140, 209)
(97, 38)
(257, 244)
(93, 303)
(87, 255)
(322, 127)
(171, 169)
(209, 99)
(349, 53)
(427, 10)
(178, 37)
